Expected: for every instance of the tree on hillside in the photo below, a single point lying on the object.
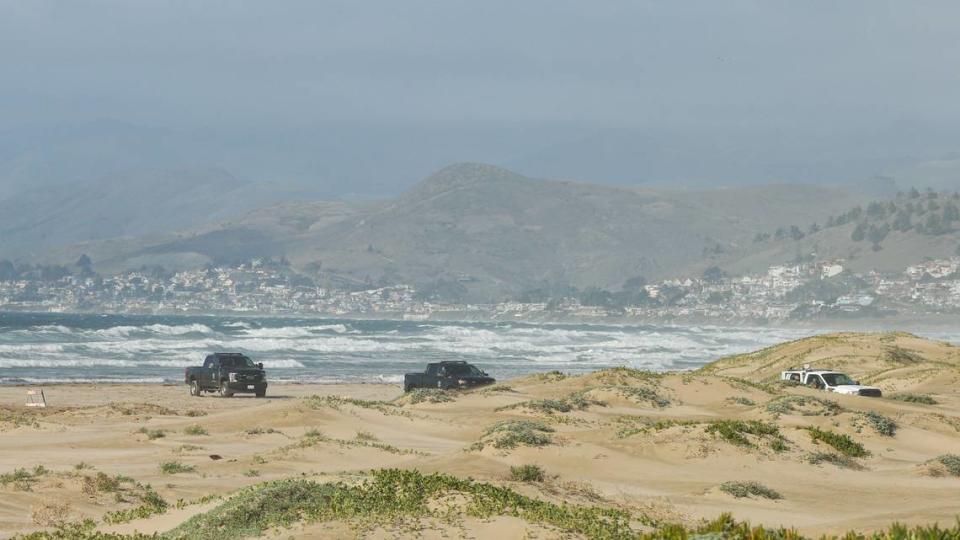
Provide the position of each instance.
(951, 213)
(8, 271)
(902, 222)
(876, 210)
(934, 225)
(796, 233)
(634, 283)
(859, 232)
(85, 265)
(877, 234)
(714, 274)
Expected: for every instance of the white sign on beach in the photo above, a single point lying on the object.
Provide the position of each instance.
(35, 398)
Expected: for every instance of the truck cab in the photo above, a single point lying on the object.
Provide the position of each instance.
(831, 381)
(447, 376)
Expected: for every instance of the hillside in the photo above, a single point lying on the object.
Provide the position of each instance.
(134, 203)
(474, 231)
(884, 235)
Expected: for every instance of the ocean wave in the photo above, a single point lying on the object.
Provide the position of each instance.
(128, 363)
(293, 332)
(120, 332)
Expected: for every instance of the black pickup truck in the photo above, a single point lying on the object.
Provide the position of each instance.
(447, 376)
(227, 374)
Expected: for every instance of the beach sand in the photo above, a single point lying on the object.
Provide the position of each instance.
(630, 440)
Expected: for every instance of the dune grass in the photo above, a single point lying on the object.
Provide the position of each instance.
(749, 489)
(390, 497)
(839, 441)
(175, 467)
(736, 432)
(195, 429)
(922, 399)
(527, 473)
(430, 395)
(884, 425)
(510, 434)
(152, 433)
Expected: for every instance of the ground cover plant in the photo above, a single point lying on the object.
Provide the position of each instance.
(749, 489)
(430, 395)
(635, 425)
(950, 463)
(642, 394)
(362, 439)
(195, 429)
(527, 473)
(883, 425)
(839, 460)
(391, 496)
(174, 467)
(338, 402)
(923, 399)
(23, 479)
(510, 434)
(803, 405)
(152, 433)
(577, 401)
(736, 432)
(839, 441)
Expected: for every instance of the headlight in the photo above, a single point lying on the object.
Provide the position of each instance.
(461, 381)
(232, 377)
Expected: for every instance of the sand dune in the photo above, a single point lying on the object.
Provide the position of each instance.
(657, 446)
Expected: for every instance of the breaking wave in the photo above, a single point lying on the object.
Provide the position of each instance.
(82, 347)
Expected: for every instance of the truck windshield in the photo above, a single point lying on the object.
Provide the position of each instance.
(459, 370)
(236, 361)
(837, 379)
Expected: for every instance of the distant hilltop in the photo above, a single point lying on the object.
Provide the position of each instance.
(478, 232)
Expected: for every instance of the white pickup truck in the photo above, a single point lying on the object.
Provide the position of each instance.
(832, 381)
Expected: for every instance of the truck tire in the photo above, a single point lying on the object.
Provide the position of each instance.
(407, 387)
(195, 388)
(262, 393)
(225, 390)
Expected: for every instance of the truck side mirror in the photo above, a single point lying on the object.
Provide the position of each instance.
(259, 365)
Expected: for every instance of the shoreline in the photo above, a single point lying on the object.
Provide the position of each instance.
(931, 322)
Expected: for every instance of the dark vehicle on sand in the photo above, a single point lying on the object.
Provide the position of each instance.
(227, 374)
(447, 376)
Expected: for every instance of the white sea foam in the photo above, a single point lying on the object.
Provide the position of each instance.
(117, 362)
(292, 332)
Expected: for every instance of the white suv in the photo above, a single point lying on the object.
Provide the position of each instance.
(833, 381)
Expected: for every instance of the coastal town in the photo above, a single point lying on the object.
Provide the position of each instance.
(804, 291)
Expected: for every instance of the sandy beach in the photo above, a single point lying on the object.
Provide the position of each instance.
(643, 443)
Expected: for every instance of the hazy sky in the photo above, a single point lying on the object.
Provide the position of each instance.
(830, 69)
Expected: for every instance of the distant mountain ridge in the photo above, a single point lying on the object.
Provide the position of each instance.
(480, 232)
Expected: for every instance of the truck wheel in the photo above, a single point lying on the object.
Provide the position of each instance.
(194, 388)
(225, 390)
(262, 393)
(407, 387)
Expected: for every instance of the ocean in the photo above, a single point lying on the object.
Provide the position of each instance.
(48, 348)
